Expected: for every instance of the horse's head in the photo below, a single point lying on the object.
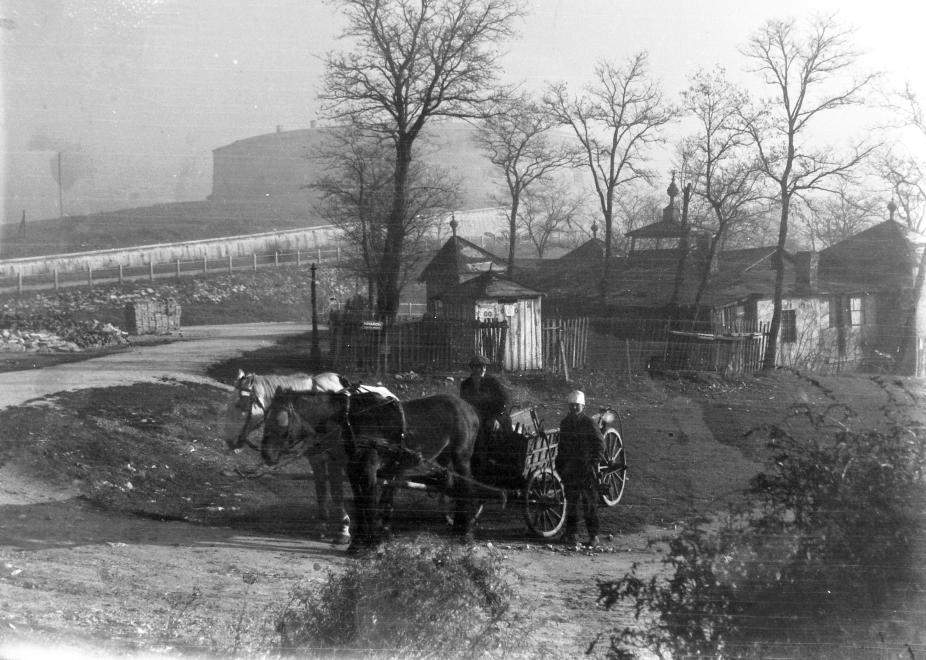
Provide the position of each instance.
(244, 413)
(295, 420)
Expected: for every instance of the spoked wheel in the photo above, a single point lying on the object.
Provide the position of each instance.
(613, 475)
(545, 503)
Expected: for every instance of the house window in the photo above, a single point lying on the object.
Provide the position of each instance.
(788, 326)
(855, 311)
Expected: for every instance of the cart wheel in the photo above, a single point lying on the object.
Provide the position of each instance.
(545, 503)
(613, 476)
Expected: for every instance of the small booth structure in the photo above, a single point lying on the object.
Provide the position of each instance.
(506, 317)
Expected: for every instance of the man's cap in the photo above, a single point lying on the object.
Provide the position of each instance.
(478, 361)
(576, 396)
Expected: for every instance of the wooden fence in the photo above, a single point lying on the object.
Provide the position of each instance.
(636, 346)
(159, 270)
(358, 341)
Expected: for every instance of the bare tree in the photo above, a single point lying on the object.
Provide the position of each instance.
(906, 178)
(719, 162)
(837, 216)
(914, 118)
(516, 137)
(411, 61)
(355, 195)
(547, 213)
(616, 120)
(804, 68)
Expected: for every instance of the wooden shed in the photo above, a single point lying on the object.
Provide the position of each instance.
(500, 303)
(457, 261)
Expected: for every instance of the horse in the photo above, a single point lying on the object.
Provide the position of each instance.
(253, 394)
(382, 438)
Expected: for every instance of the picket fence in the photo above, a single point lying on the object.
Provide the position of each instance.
(359, 341)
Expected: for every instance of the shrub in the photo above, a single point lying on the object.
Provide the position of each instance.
(409, 599)
(831, 524)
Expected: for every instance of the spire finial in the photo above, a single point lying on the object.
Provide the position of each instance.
(672, 190)
(594, 230)
(453, 223)
(891, 207)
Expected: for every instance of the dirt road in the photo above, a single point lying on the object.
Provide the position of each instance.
(185, 359)
(101, 581)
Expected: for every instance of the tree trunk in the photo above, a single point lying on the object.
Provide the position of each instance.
(512, 231)
(604, 284)
(682, 256)
(906, 360)
(706, 273)
(771, 347)
(387, 293)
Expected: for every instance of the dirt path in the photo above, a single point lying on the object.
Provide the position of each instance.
(185, 360)
(102, 582)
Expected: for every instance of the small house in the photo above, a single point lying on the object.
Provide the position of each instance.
(457, 261)
(505, 314)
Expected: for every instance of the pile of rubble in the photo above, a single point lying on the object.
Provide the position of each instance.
(77, 338)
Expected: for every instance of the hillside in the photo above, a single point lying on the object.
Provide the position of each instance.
(261, 185)
(164, 223)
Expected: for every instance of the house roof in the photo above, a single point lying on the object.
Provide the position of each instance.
(593, 248)
(460, 256)
(490, 285)
(661, 229)
(880, 258)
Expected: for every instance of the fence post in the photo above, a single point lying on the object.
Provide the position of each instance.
(254, 257)
(229, 262)
(90, 276)
(276, 258)
(56, 278)
(121, 275)
(151, 270)
(339, 256)
(319, 251)
(298, 257)
(205, 264)
(19, 281)
(178, 269)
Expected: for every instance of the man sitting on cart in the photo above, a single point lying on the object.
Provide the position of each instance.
(581, 448)
(490, 399)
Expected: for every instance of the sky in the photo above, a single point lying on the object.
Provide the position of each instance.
(135, 94)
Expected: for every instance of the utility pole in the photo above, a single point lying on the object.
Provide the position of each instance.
(60, 195)
(316, 355)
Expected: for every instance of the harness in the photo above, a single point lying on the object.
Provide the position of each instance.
(253, 400)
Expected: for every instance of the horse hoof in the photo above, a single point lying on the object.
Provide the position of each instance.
(341, 539)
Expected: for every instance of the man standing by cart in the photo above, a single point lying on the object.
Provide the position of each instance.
(490, 399)
(581, 449)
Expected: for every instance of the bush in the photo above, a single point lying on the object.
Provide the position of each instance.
(832, 524)
(408, 600)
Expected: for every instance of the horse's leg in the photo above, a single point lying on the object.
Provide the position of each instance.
(386, 508)
(464, 518)
(336, 489)
(319, 463)
(375, 512)
(355, 474)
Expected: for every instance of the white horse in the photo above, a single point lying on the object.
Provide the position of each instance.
(245, 415)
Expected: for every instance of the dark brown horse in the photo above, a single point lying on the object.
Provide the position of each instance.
(382, 439)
